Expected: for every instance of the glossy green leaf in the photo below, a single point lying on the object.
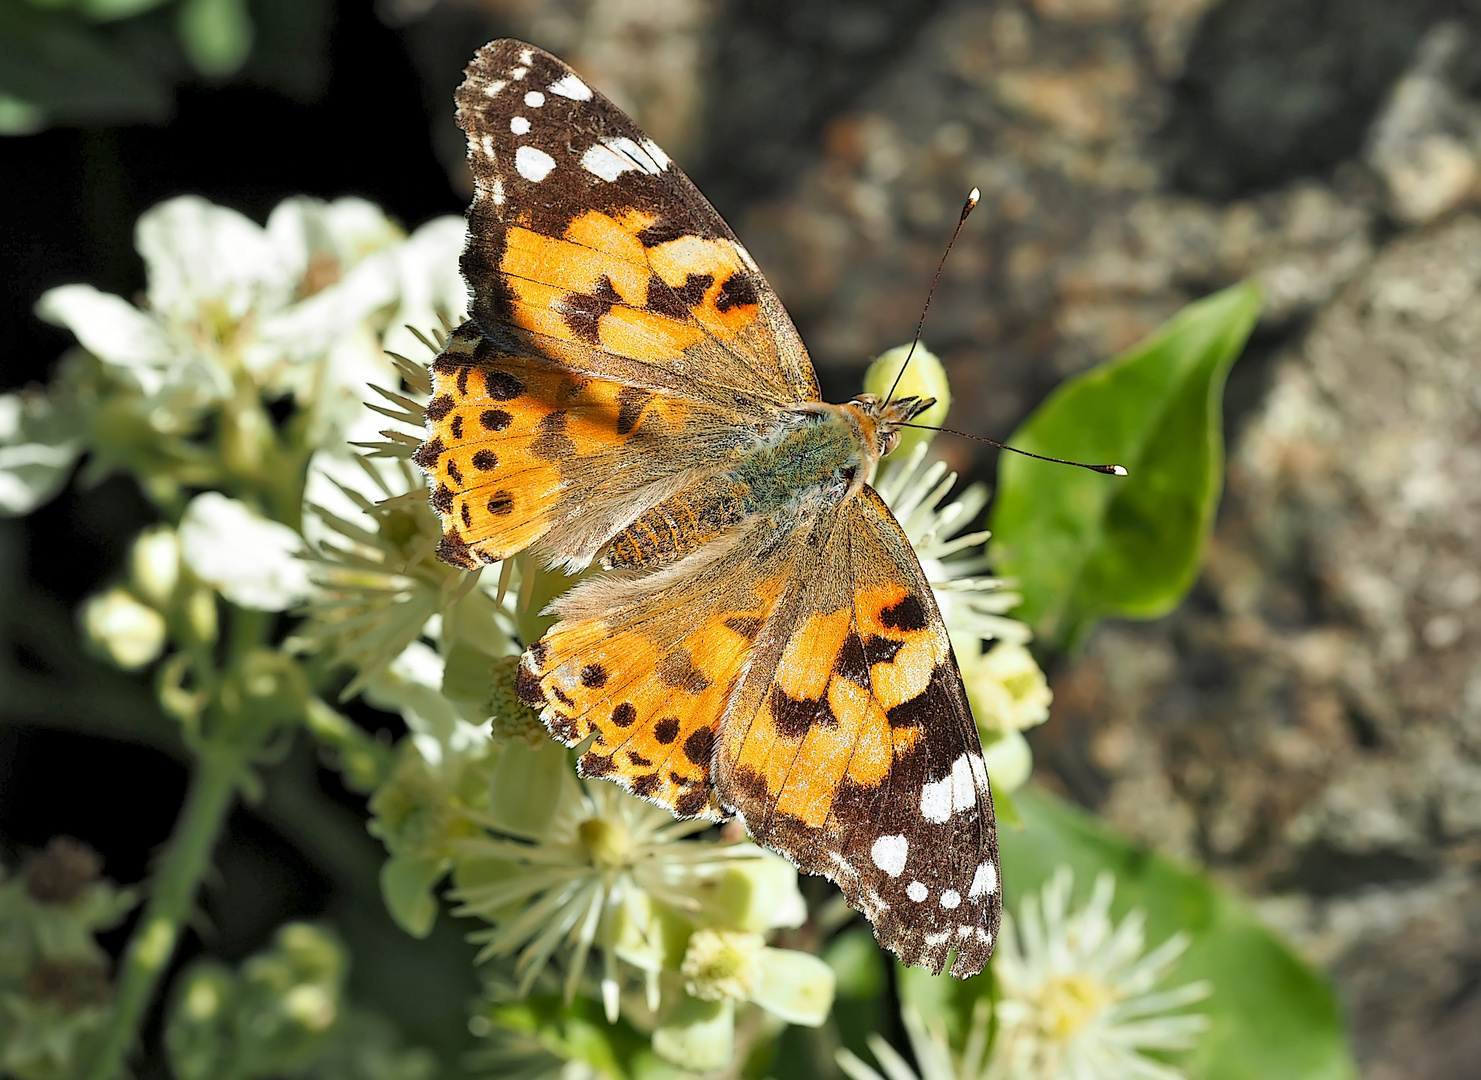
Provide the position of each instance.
(1082, 545)
(1271, 1015)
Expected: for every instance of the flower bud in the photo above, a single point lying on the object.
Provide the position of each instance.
(154, 564)
(924, 377)
(130, 633)
(1007, 690)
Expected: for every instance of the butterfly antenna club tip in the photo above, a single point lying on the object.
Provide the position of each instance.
(973, 198)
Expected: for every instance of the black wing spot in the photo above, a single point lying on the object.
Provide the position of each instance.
(691, 802)
(485, 460)
(427, 454)
(661, 232)
(794, 717)
(747, 626)
(458, 426)
(502, 503)
(738, 291)
(503, 386)
(677, 669)
(852, 664)
(624, 715)
(699, 746)
(494, 419)
(441, 499)
(666, 730)
(593, 676)
(906, 614)
(439, 407)
(583, 311)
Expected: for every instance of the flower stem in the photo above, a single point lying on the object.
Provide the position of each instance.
(171, 902)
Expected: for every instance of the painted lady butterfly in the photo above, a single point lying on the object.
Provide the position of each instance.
(630, 391)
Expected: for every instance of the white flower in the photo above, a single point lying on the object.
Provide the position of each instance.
(296, 307)
(39, 441)
(252, 561)
(592, 874)
(131, 633)
(412, 686)
(1077, 997)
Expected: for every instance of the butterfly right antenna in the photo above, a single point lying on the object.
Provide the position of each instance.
(972, 201)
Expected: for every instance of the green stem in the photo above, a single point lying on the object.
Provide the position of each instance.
(171, 902)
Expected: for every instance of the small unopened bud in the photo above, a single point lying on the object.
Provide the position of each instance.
(200, 614)
(154, 564)
(130, 633)
(924, 377)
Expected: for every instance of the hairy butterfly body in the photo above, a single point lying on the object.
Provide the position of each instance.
(629, 391)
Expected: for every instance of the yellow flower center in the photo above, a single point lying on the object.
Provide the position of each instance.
(1070, 1002)
(607, 843)
(721, 964)
(1021, 685)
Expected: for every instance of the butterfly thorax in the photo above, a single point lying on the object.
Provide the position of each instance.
(813, 457)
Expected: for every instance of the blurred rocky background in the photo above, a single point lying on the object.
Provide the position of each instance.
(1308, 725)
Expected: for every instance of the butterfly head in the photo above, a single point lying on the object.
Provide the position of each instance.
(886, 417)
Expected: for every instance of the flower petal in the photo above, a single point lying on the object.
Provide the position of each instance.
(108, 326)
(795, 986)
(247, 558)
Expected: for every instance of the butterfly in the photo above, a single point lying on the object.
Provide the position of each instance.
(629, 392)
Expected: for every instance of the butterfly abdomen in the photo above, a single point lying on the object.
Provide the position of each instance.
(680, 524)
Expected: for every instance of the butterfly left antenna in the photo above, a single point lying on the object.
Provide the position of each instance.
(972, 200)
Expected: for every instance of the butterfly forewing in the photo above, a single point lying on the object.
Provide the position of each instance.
(589, 246)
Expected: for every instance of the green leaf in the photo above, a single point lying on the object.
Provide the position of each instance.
(1270, 1013)
(406, 886)
(1081, 545)
(216, 35)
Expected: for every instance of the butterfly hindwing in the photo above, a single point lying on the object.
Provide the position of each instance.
(589, 246)
(649, 667)
(850, 746)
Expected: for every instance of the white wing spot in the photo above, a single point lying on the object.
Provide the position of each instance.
(963, 791)
(935, 800)
(938, 938)
(534, 99)
(951, 794)
(844, 867)
(493, 88)
(568, 86)
(917, 892)
(656, 154)
(533, 164)
(488, 147)
(519, 125)
(964, 931)
(979, 770)
(600, 161)
(983, 936)
(889, 854)
(984, 881)
(497, 194)
(951, 899)
(520, 72)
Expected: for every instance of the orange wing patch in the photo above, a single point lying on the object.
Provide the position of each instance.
(653, 696)
(599, 284)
